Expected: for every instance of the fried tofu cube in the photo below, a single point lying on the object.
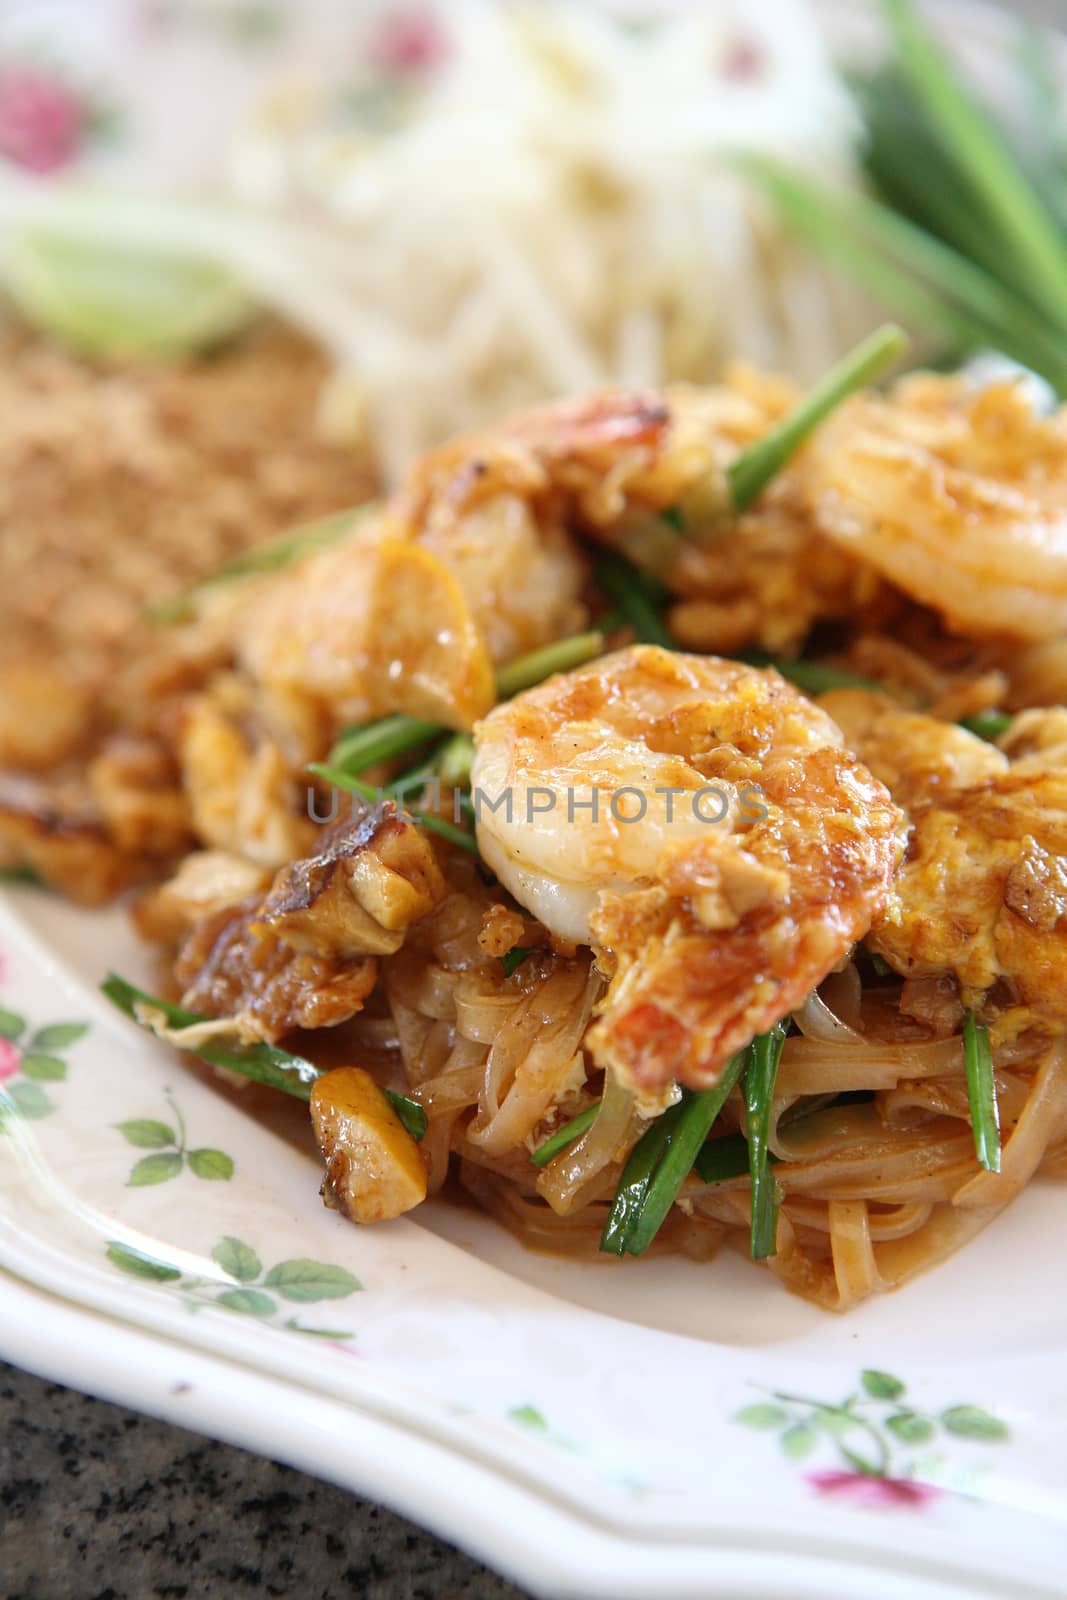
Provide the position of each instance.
(374, 1169)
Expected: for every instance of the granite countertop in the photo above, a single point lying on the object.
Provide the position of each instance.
(103, 1504)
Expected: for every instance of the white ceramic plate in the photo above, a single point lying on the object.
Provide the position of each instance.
(655, 1427)
(650, 1428)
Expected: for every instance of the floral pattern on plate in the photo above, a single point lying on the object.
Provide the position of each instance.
(872, 1431)
(30, 1058)
(252, 1291)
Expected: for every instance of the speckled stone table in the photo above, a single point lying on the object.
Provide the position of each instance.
(98, 1503)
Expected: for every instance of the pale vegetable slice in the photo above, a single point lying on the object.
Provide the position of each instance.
(122, 303)
(374, 1170)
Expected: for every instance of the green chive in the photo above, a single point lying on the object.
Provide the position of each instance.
(360, 748)
(514, 958)
(988, 724)
(454, 768)
(270, 556)
(684, 1145)
(411, 1114)
(423, 819)
(753, 470)
(566, 1135)
(997, 183)
(416, 777)
(982, 1092)
(16, 875)
(265, 1063)
(636, 1180)
(760, 1074)
(561, 656)
(724, 1158)
(625, 587)
(924, 279)
(881, 965)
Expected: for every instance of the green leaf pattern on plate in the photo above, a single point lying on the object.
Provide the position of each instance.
(172, 1156)
(298, 1279)
(867, 1433)
(30, 1059)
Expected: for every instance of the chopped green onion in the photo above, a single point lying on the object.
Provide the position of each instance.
(998, 185)
(561, 656)
(724, 1158)
(881, 965)
(654, 1175)
(988, 724)
(683, 1147)
(265, 1063)
(411, 1114)
(454, 768)
(416, 777)
(636, 1180)
(982, 1092)
(752, 471)
(625, 587)
(810, 676)
(360, 748)
(566, 1135)
(424, 819)
(924, 279)
(514, 958)
(270, 556)
(27, 875)
(760, 1075)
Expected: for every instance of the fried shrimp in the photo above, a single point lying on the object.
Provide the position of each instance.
(699, 824)
(955, 494)
(981, 898)
(474, 561)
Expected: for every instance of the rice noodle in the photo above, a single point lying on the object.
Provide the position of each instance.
(855, 1268)
(816, 1021)
(565, 1182)
(1044, 1118)
(875, 1159)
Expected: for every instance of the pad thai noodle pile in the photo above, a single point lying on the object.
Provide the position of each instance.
(652, 818)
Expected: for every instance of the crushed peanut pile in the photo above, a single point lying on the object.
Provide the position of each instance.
(119, 486)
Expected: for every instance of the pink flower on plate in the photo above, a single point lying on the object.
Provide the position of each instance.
(411, 42)
(866, 1490)
(10, 1060)
(41, 120)
(744, 61)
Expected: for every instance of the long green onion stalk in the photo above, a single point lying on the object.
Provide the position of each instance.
(760, 1077)
(565, 1136)
(753, 470)
(967, 235)
(981, 1092)
(262, 1063)
(677, 1143)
